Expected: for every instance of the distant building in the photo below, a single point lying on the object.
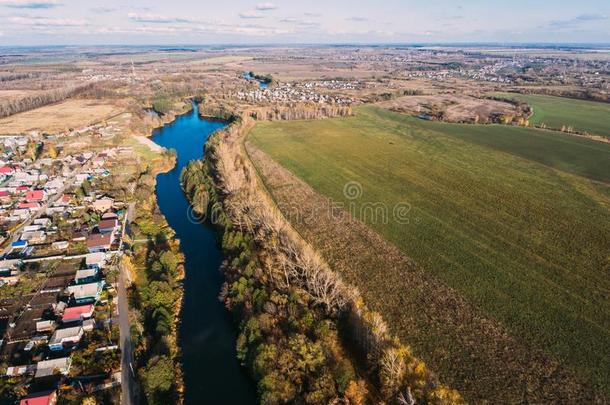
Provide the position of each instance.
(19, 245)
(28, 206)
(35, 196)
(34, 237)
(43, 222)
(60, 245)
(7, 170)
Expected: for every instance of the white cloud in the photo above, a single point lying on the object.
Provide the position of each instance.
(102, 9)
(578, 20)
(30, 4)
(47, 22)
(298, 21)
(266, 6)
(157, 19)
(251, 15)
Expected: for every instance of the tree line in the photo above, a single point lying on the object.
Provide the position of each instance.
(156, 298)
(30, 102)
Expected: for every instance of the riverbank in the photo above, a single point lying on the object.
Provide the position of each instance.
(290, 303)
(156, 272)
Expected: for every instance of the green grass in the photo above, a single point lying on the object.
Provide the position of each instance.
(526, 242)
(556, 112)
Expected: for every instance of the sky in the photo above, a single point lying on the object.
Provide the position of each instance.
(138, 22)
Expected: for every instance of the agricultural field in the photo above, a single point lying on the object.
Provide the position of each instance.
(558, 112)
(74, 113)
(513, 227)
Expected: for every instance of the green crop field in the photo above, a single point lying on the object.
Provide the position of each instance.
(556, 112)
(502, 214)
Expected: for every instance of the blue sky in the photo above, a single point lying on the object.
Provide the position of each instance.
(51, 22)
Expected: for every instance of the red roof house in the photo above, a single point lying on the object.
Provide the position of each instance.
(35, 196)
(108, 225)
(47, 398)
(99, 242)
(78, 313)
(28, 205)
(6, 170)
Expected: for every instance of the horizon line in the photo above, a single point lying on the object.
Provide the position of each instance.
(280, 44)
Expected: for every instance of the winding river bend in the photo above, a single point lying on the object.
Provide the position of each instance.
(207, 335)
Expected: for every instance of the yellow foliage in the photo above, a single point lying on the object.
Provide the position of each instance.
(356, 393)
(445, 396)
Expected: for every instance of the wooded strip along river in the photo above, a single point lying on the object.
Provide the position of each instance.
(207, 335)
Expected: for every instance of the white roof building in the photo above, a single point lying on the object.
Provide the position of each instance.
(67, 335)
(49, 367)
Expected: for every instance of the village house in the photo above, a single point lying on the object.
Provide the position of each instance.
(108, 225)
(48, 368)
(110, 215)
(30, 206)
(85, 293)
(7, 170)
(45, 326)
(41, 398)
(54, 185)
(60, 245)
(16, 371)
(102, 204)
(5, 197)
(86, 276)
(77, 314)
(32, 228)
(20, 214)
(9, 276)
(36, 196)
(34, 237)
(65, 337)
(95, 260)
(43, 222)
(19, 245)
(99, 242)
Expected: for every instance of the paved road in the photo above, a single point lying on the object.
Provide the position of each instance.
(128, 383)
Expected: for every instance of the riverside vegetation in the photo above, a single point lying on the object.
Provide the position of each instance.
(155, 297)
(304, 335)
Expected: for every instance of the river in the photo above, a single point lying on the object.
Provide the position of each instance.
(207, 334)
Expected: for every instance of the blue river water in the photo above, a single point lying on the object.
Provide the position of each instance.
(207, 333)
